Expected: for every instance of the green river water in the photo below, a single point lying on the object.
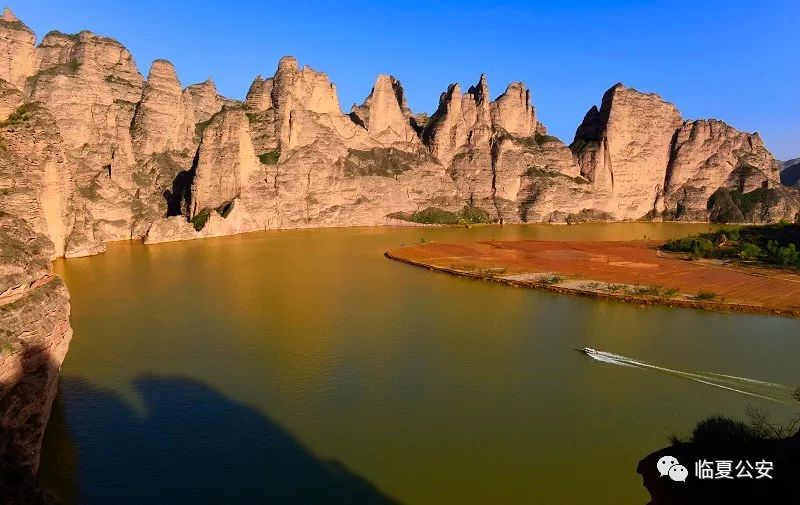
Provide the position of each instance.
(301, 366)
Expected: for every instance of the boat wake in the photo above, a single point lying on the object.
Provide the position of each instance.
(779, 393)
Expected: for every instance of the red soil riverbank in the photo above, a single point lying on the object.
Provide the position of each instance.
(633, 271)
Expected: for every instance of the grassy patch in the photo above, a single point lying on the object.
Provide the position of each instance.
(705, 296)
(383, 162)
(669, 293)
(19, 116)
(434, 215)
(7, 341)
(543, 139)
(199, 221)
(270, 157)
(731, 206)
(529, 142)
(552, 279)
(647, 290)
(535, 171)
(200, 127)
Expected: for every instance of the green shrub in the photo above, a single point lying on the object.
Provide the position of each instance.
(270, 157)
(698, 246)
(787, 256)
(670, 292)
(705, 295)
(772, 244)
(750, 252)
(552, 279)
(200, 219)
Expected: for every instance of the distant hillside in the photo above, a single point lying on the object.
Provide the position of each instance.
(790, 172)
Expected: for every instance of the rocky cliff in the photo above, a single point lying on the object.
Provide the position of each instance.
(34, 337)
(790, 172)
(93, 152)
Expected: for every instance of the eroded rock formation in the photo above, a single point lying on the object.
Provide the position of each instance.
(94, 152)
(164, 119)
(707, 155)
(34, 337)
(386, 116)
(18, 58)
(790, 172)
(626, 149)
(226, 161)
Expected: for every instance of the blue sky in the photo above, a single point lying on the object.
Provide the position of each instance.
(733, 60)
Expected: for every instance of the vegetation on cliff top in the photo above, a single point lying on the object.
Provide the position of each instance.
(434, 215)
(774, 244)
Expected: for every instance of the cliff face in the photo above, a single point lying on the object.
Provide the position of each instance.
(790, 172)
(34, 337)
(626, 149)
(226, 161)
(95, 152)
(707, 155)
(18, 58)
(164, 119)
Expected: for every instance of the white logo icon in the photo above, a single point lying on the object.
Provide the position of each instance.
(678, 473)
(668, 465)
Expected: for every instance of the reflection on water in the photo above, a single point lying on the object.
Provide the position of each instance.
(427, 388)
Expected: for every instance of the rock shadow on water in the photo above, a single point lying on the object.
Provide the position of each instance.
(194, 445)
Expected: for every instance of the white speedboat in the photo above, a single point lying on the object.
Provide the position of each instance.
(589, 350)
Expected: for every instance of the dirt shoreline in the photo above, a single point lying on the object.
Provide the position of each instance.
(632, 272)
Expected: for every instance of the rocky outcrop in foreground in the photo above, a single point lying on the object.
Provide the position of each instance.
(721, 439)
(34, 337)
(93, 151)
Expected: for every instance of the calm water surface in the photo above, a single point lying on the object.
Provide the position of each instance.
(304, 367)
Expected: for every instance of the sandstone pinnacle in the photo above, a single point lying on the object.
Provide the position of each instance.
(9, 16)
